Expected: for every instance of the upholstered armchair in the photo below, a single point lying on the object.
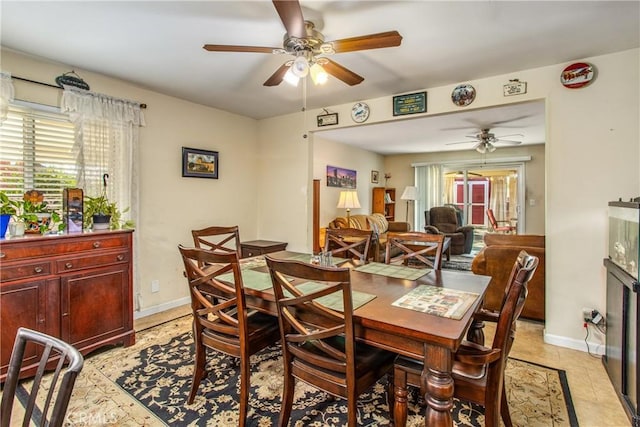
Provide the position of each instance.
(443, 220)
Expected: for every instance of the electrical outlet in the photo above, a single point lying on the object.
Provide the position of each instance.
(586, 314)
(155, 285)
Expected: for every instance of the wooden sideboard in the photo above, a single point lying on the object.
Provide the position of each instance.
(77, 287)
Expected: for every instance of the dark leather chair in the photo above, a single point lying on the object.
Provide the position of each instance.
(348, 242)
(68, 363)
(478, 371)
(444, 220)
(422, 248)
(320, 348)
(221, 319)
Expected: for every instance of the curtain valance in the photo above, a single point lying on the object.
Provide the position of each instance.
(7, 93)
(91, 105)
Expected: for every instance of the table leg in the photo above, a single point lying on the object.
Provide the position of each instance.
(400, 399)
(475, 334)
(439, 386)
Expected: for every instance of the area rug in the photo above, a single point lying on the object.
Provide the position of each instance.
(457, 262)
(147, 385)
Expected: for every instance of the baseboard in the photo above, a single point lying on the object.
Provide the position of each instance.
(162, 307)
(594, 347)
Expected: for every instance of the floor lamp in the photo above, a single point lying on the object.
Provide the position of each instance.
(348, 200)
(409, 194)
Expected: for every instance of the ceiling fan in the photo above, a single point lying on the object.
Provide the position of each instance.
(485, 141)
(308, 46)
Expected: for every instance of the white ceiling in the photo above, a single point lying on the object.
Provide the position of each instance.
(158, 45)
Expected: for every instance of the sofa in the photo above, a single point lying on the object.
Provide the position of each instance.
(496, 259)
(376, 222)
(445, 220)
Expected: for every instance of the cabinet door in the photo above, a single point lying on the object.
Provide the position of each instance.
(96, 307)
(32, 305)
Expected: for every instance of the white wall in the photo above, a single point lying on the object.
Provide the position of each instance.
(170, 205)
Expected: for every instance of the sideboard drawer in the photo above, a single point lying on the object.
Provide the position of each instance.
(26, 270)
(13, 250)
(98, 260)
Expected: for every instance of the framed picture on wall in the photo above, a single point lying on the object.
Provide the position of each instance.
(340, 177)
(374, 177)
(198, 163)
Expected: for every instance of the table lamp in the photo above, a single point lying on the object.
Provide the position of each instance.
(348, 200)
(409, 194)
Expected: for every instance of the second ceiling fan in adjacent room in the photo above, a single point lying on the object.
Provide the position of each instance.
(310, 49)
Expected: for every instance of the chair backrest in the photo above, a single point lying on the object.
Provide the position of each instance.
(216, 238)
(212, 298)
(348, 242)
(444, 218)
(417, 246)
(304, 339)
(515, 297)
(67, 367)
(492, 219)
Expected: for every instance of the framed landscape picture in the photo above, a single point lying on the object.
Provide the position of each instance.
(199, 163)
(340, 177)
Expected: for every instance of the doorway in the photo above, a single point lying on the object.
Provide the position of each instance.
(472, 190)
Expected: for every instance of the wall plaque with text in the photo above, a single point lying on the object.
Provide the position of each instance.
(411, 103)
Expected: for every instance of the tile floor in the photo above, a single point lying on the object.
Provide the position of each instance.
(594, 399)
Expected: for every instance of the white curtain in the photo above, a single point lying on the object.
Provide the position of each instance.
(106, 141)
(498, 199)
(7, 93)
(430, 185)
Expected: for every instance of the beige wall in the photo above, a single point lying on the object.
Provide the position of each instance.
(591, 153)
(170, 205)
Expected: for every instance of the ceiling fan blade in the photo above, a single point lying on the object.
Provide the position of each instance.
(339, 72)
(277, 77)
(371, 41)
(514, 119)
(459, 142)
(231, 48)
(291, 16)
(507, 141)
(510, 135)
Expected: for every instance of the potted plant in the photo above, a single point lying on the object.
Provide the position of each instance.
(8, 208)
(36, 214)
(102, 214)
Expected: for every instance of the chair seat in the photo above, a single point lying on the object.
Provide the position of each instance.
(261, 328)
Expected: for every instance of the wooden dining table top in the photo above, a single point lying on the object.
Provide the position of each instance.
(407, 329)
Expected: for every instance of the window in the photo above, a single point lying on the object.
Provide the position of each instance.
(36, 152)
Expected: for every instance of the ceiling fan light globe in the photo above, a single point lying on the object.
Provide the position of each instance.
(491, 148)
(300, 67)
(481, 149)
(318, 74)
(291, 78)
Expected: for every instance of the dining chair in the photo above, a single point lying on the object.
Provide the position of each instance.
(38, 410)
(478, 371)
(221, 319)
(415, 247)
(217, 238)
(318, 343)
(348, 242)
(495, 224)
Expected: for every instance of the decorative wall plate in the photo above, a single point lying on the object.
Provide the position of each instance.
(577, 75)
(360, 112)
(463, 95)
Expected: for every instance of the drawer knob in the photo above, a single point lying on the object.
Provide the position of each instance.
(38, 269)
(120, 257)
(96, 244)
(68, 265)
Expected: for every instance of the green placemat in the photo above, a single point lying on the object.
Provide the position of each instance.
(255, 262)
(438, 301)
(396, 271)
(251, 279)
(334, 300)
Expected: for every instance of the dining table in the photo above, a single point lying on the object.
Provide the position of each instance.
(395, 317)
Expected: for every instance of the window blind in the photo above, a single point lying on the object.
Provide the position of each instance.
(36, 152)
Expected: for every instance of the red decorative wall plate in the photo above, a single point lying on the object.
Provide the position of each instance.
(577, 75)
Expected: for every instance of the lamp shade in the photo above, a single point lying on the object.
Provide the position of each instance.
(348, 200)
(410, 193)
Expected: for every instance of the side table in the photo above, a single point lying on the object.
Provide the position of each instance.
(261, 247)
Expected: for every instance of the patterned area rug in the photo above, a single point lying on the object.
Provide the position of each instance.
(458, 262)
(147, 385)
